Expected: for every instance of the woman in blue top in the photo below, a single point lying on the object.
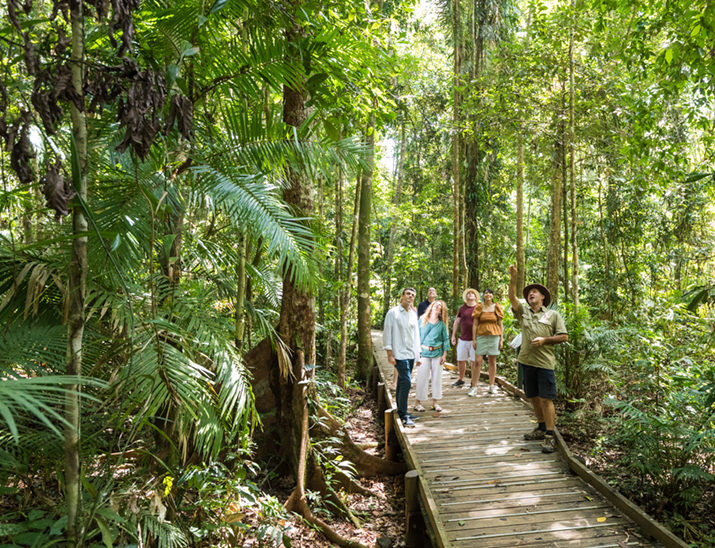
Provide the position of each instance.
(434, 339)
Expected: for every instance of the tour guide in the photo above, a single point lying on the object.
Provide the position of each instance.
(541, 329)
(401, 336)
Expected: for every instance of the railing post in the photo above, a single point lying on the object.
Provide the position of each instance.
(414, 521)
(391, 443)
(381, 399)
(375, 380)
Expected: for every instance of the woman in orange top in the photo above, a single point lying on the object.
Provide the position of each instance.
(488, 338)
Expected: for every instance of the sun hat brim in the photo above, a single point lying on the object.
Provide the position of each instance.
(464, 294)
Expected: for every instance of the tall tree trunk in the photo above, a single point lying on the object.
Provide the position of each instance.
(572, 171)
(321, 219)
(347, 291)
(554, 252)
(565, 203)
(364, 358)
(339, 221)
(520, 211)
(455, 160)
(606, 249)
(78, 276)
(296, 324)
(241, 288)
(393, 226)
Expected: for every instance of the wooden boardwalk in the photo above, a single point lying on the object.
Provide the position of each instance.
(483, 485)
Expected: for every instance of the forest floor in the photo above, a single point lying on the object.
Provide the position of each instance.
(382, 516)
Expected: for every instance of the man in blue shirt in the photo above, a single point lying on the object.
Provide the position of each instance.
(424, 305)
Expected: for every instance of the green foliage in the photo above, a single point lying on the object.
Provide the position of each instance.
(589, 353)
(669, 448)
(213, 501)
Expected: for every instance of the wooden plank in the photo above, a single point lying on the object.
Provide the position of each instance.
(491, 491)
(599, 538)
(535, 495)
(499, 508)
(543, 528)
(579, 516)
(490, 472)
(488, 512)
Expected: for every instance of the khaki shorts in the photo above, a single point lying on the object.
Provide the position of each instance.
(465, 351)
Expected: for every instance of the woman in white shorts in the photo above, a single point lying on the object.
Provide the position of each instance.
(488, 331)
(434, 340)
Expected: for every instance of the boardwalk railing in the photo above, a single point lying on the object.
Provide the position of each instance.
(475, 482)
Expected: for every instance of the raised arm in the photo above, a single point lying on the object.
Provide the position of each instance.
(513, 297)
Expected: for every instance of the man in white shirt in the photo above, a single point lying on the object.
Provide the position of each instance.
(401, 336)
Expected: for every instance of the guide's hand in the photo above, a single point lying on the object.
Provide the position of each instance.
(538, 341)
(512, 270)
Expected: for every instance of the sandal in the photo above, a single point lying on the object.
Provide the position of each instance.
(437, 408)
(419, 409)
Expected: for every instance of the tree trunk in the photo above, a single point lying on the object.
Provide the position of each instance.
(339, 221)
(393, 226)
(77, 279)
(606, 250)
(364, 323)
(455, 161)
(565, 202)
(520, 211)
(347, 291)
(296, 324)
(554, 252)
(241, 288)
(572, 171)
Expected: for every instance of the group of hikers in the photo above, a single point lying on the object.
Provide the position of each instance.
(420, 337)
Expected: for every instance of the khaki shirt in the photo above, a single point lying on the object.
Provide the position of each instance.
(544, 323)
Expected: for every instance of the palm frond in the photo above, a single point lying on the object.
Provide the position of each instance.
(40, 397)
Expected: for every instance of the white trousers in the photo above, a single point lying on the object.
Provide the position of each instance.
(427, 367)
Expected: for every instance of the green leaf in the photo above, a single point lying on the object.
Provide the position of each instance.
(315, 80)
(218, 6)
(331, 130)
(669, 56)
(106, 534)
(8, 529)
(172, 72)
(461, 523)
(34, 514)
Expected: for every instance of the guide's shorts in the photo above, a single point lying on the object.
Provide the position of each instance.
(539, 382)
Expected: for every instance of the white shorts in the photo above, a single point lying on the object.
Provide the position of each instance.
(465, 351)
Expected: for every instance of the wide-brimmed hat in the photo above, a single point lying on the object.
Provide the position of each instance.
(464, 294)
(542, 290)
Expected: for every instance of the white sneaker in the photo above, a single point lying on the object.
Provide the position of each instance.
(472, 392)
(492, 389)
